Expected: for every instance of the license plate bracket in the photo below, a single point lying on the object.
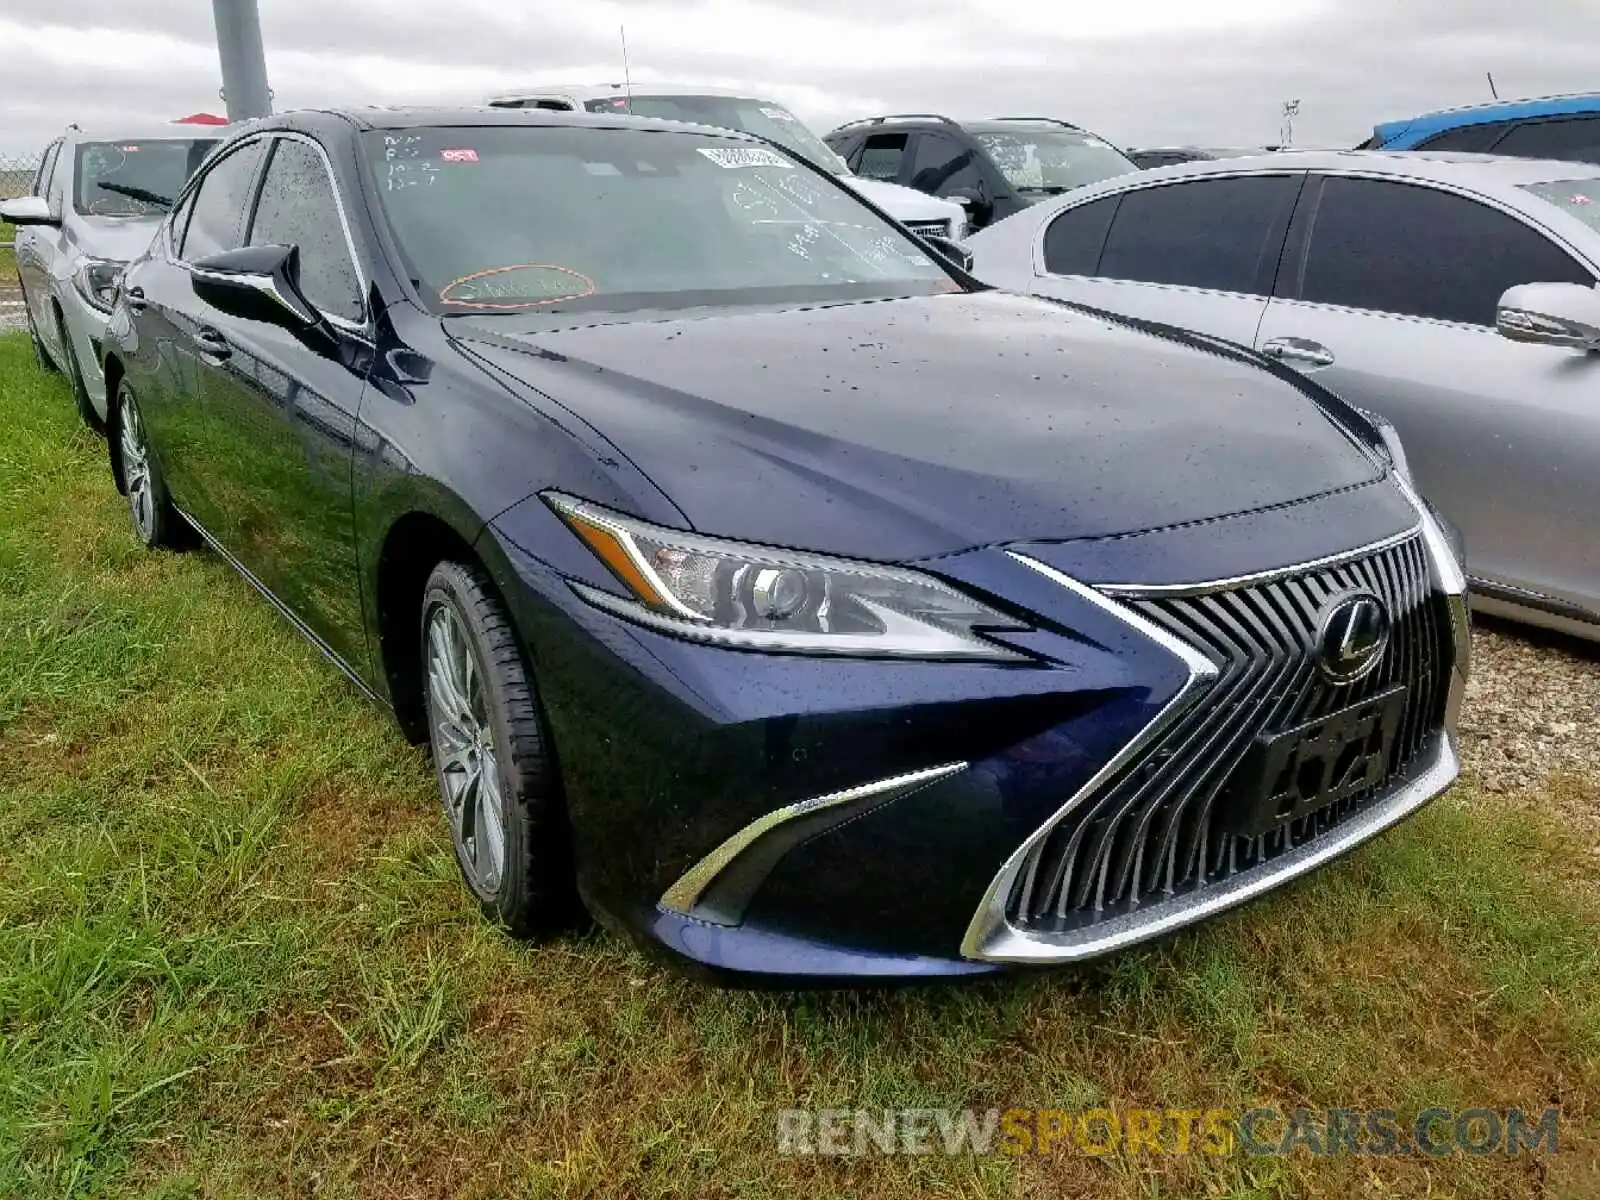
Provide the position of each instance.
(1291, 774)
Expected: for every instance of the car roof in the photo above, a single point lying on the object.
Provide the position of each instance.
(149, 131)
(1482, 114)
(378, 117)
(610, 91)
(1484, 172)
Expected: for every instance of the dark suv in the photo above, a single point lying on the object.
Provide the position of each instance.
(994, 167)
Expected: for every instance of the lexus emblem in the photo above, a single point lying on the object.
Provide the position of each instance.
(1353, 637)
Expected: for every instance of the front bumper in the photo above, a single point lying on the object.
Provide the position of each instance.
(86, 331)
(791, 819)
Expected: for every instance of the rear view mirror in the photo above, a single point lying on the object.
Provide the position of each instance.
(1551, 314)
(27, 210)
(950, 249)
(258, 283)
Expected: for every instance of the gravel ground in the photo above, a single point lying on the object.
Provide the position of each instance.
(1532, 712)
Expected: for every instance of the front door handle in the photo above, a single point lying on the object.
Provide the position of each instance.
(135, 298)
(1299, 352)
(213, 346)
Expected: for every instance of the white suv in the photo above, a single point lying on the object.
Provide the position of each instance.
(765, 118)
(96, 202)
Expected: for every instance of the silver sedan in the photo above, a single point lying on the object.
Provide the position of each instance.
(95, 203)
(1453, 294)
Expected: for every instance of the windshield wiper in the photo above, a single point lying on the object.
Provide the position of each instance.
(1051, 189)
(136, 193)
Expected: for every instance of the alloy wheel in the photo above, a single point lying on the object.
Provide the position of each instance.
(464, 747)
(136, 471)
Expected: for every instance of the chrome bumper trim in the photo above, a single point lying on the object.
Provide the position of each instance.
(686, 894)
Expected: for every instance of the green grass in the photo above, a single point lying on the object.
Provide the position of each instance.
(235, 958)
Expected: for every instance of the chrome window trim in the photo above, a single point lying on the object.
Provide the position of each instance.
(1106, 192)
(992, 937)
(1495, 202)
(685, 894)
(196, 182)
(1143, 591)
(363, 282)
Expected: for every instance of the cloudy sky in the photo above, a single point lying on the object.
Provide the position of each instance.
(1142, 72)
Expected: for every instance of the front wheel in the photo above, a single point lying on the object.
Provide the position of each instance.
(155, 521)
(497, 779)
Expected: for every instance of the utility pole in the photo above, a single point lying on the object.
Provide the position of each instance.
(244, 64)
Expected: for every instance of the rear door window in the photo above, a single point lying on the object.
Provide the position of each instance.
(1472, 139)
(1575, 139)
(882, 157)
(1223, 235)
(1417, 251)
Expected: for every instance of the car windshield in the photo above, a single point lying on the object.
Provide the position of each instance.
(760, 117)
(561, 219)
(1053, 160)
(136, 178)
(1576, 197)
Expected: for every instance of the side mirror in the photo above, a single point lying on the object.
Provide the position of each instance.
(978, 207)
(1550, 314)
(258, 283)
(951, 249)
(27, 210)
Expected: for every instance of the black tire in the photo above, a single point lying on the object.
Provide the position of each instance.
(533, 893)
(74, 373)
(41, 356)
(156, 522)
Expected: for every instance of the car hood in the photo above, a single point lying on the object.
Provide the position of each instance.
(901, 429)
(121, 239)
(903, 203)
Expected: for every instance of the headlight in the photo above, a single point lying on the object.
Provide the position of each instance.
(96, 280)
(781, 601)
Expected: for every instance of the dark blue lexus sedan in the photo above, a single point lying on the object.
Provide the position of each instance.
(760, 580)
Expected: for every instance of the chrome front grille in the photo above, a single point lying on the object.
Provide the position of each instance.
(935, 228)
(1154, 831)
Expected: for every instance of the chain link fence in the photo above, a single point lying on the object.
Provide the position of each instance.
(16, 178)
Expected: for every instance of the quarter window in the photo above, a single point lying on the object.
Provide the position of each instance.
(297, 208)
(1220, 234)
(881, 157)
(1073, 242)
(216, 217)
(1574, 140)
(1417, 251)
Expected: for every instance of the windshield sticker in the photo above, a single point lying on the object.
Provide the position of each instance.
(751, 157)
(518, 286)
(778, 114)
(129, 149)
(458, 156)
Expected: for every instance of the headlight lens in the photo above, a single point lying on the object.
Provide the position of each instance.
(760, 598)
(96, 280)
